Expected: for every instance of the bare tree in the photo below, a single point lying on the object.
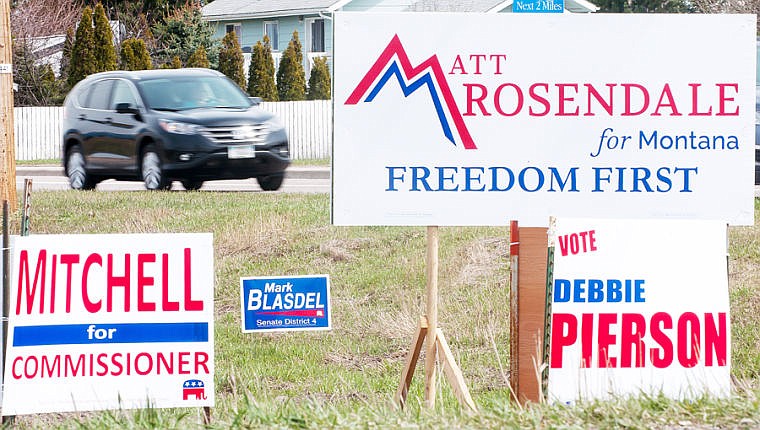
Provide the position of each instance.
(728, 6)
(441, 6)
(39, 29)
(36, 18)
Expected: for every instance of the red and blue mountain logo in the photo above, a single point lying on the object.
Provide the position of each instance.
(393, 62)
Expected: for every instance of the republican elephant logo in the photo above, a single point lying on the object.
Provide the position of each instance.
(193, 389)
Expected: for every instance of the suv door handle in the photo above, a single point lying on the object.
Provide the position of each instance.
(108, 120)
(82, 117)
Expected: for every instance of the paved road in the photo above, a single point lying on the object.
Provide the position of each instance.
(298, 179)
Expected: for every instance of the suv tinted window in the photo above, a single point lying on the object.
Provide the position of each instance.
(84, 93)
(99, 95)
(192, 93)
(122, 93)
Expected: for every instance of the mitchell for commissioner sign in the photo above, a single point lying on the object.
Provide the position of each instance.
(472, 119)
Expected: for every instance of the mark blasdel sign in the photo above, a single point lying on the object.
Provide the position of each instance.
(110, 321)
(285, 303)
(639, 306)
(474, 119)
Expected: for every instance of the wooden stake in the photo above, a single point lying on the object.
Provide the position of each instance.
(411, 362)
(453, 373)
(432, 314)
(450, 368)
(531, 302)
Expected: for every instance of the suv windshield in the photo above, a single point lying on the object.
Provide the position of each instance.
(178, 94)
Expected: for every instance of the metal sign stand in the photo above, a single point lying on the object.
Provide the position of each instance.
(6, 420)
(435, 343)
(25, 228)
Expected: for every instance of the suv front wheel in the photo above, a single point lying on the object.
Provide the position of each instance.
(79, 179)
(152, 171)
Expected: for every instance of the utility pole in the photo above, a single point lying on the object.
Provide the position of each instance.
(7, 149)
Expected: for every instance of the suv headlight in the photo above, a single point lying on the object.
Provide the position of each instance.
(178, 127)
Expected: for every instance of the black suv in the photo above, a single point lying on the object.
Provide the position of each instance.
(157, 126)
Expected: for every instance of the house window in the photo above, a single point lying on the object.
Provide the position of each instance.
(318, 35)
(272, 30)
(229, 28)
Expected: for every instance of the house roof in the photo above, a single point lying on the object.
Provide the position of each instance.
(453, 6)
(228, 10)
(491, 6)
(237, 9)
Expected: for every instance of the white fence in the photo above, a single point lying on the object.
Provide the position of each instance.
(37, 130)
(309, 125)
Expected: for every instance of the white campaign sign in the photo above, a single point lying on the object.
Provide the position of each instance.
(110, 322)
(476, 119)
(639, 306)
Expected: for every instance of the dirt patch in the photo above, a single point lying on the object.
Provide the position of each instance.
(342, 249)
(253, 237)
(482, 259)
(363, 362)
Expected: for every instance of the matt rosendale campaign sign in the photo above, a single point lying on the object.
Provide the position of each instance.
(476, 119)
(110, 321)
(639, 306)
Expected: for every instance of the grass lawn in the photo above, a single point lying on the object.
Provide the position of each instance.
(346, 378)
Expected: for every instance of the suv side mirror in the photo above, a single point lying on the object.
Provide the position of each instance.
(255, 100)
(126, 108)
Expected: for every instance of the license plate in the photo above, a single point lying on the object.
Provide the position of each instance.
(241, 151)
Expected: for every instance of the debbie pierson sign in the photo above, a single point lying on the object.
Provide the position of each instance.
(475, 119)
(639, 307)
(110, 322)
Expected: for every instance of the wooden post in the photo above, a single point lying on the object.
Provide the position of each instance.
(7, 149)
(206, 415)
(529, 298)
(429, 334)
(432, 314)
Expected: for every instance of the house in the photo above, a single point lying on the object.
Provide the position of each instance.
(49, 49)
(252, 19)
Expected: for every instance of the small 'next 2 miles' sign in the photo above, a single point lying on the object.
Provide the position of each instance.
(538, 6)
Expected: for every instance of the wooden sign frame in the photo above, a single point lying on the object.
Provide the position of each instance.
(434, 344)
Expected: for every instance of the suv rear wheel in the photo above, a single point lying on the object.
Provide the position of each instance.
(271, 182)
(79, 179)
(152, 172)
(192, 184)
